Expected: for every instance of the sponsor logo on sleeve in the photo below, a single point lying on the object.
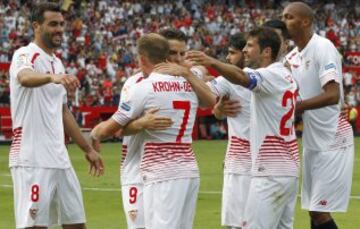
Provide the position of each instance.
(125, 106)
(330, 66)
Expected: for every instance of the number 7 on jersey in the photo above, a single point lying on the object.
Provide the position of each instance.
(182, 105)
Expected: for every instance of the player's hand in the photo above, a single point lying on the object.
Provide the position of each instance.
(226, 107)
(70, 82)
(230, 108)
(172, 69)
(199, 58)
(153, 122)
(96, 163)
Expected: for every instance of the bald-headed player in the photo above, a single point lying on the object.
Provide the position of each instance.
(328, 142)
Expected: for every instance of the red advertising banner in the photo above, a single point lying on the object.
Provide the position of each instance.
(352, 62)
(4, 66)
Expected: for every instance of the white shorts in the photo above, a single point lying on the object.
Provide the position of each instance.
(271, 203)
(46, 197)
(327, 178)
(234, 196)
(132, 196)
(171, 204)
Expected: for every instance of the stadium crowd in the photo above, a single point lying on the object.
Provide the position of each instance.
(100, 36)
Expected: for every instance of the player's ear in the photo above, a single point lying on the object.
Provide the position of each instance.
(141, 59)
(267, 51)
(35, 26)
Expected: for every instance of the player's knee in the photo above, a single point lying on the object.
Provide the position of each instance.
(320, 217)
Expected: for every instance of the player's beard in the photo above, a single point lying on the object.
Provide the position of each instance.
(48, 40)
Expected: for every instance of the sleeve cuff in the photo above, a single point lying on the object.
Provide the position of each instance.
(120, 118)
(324, 79)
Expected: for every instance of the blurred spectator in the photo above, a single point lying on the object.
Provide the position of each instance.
(348, 81)
(100, 36)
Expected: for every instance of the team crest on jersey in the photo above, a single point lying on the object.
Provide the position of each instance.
(33, 212)
(133, 214)
(307, 64)
(125, 106)
(23, 59)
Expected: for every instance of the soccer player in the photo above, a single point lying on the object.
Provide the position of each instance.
(168, 167)
(237, 165)
(178, 47)
(328, 138)
(131, 181)
(46, 189)
(274, 152)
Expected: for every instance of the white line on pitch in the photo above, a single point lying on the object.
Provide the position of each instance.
(119, 190)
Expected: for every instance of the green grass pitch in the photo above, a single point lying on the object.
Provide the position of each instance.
(102, 196)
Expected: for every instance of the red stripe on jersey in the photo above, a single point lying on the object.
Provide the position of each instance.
(34, 57)
(16, 142)
(278, 157)
(163, 161)
(139, 80)
(238, 156)
(123, 154)
(344, 134)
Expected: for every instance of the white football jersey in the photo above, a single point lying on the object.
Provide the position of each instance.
(317, 64)
(37, 113)
(274, 149)
(238, 157)
(131, 145)
(167, 153)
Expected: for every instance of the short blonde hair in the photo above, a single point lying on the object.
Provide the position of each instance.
(154, 46)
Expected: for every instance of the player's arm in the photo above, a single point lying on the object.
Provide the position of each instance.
(127, 111)
(329, 96)
(206, 97)
(105, 129)
(149, 121)
(329, 76)
(232, 73)
(72, 130)
(29, 78)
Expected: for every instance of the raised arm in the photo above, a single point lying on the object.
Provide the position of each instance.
(73, 131)
(232, 73)
(30, 78)
(206, 97)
